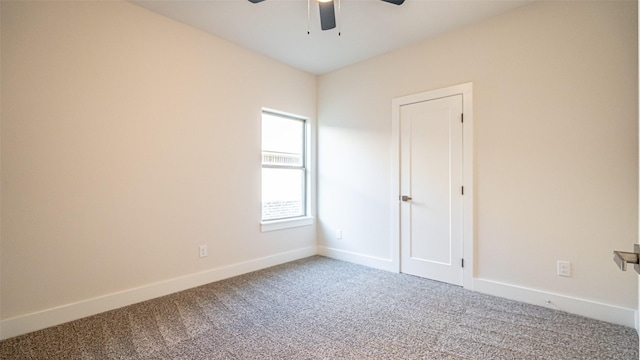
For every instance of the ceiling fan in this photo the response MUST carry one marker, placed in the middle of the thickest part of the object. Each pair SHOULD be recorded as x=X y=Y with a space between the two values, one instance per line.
x=327 y=11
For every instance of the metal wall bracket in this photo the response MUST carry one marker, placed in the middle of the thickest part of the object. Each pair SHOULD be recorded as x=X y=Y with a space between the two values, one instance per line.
x=622 y=258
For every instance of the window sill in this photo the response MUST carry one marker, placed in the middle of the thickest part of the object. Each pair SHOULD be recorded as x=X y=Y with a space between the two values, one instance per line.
x=286 y=223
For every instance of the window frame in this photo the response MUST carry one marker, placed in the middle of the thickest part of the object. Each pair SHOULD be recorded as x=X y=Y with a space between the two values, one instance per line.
x=307 y=218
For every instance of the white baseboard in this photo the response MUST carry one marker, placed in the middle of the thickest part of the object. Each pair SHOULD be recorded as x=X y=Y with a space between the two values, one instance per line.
x=356 y=258
x=587 y=308
x=55 y=316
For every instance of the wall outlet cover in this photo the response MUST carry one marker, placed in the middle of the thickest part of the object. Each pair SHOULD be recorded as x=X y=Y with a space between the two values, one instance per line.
x=203 y=251
x=564 y=268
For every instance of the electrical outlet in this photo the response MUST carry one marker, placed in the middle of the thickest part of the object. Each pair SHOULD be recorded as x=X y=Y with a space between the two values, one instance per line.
x=203 y=251
x=564 y=268
x=339 y=234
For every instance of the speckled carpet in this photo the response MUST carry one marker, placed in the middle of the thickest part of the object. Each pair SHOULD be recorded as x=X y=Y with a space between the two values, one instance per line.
x=319 y=308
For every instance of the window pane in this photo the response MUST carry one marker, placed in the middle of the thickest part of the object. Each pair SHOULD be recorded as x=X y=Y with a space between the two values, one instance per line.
x=282 y=193
x=282 y=141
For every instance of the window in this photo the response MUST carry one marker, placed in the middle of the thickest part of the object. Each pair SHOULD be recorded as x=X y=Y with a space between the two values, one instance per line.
x=284 y=167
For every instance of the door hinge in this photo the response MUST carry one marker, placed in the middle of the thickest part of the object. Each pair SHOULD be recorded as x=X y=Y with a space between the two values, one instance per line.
x=462 y=190
x=462 y=262
x=461 y=118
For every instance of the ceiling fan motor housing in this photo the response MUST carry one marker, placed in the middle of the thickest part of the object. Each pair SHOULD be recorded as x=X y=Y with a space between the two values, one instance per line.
x=328 y=12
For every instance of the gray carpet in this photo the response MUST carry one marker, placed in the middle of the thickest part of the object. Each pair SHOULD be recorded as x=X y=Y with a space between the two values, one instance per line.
x=318 y=308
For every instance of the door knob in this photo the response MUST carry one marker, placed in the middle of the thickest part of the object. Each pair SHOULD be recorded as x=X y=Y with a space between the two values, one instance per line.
x=622 y=258
x=405 y=198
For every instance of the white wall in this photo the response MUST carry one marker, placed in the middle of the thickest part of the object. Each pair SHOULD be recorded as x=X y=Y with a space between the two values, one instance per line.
x=128 y=140
x=555 y=146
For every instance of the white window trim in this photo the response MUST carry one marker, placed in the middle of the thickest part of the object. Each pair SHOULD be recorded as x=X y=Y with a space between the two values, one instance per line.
x=286 y=223
x=309 y=219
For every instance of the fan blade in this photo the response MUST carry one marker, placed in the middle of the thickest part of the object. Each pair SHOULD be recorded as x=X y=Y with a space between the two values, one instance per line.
x=395 y=2
x=257 y=1
x=327 y=15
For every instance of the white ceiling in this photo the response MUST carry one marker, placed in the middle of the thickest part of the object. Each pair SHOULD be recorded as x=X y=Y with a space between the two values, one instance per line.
x=278 y=28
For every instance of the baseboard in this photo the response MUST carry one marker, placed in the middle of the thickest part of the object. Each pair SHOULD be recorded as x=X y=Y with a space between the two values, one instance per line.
x=55 y=316
x=357 y=258
x=587 y=308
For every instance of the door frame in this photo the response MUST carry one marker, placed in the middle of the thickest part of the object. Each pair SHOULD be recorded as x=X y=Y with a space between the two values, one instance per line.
x=467 y=173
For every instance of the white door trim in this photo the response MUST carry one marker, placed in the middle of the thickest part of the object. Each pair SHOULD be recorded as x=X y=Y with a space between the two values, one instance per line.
x=467 y=172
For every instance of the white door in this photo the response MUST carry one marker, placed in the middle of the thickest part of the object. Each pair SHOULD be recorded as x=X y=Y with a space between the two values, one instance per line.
x=431 y=209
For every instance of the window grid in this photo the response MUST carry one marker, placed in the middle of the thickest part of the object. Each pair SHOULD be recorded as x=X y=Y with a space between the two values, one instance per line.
x=284 y=164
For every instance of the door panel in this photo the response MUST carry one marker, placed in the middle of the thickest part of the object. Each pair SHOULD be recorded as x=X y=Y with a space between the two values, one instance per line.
x=431 y=174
